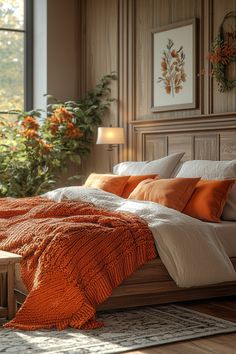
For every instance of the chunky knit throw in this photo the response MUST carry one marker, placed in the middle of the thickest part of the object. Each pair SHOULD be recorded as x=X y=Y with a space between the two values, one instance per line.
x=74 y=255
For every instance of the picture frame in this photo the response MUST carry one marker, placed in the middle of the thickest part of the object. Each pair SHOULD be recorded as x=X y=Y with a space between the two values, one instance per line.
x=174 y=76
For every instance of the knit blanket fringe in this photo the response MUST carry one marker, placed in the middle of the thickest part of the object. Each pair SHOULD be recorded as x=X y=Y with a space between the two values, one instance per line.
x=74 y=255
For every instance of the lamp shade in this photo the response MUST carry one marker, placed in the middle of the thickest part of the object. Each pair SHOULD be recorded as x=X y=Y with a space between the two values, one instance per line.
x=110 y=136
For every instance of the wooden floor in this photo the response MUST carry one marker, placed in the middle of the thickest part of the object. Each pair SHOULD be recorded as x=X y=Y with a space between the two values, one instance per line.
x=220 y=344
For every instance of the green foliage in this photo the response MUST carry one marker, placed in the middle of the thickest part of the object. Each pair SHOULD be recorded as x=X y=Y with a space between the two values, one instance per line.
x=32 y=154
x=223 y=53
x=220 y=56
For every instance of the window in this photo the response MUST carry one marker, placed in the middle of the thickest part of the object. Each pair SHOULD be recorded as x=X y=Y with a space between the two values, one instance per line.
x=15 y=55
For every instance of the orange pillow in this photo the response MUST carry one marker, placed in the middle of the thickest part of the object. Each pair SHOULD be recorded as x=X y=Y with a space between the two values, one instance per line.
x=109 y=183
x=172 y=192
x=132 y=183
x=208 y=199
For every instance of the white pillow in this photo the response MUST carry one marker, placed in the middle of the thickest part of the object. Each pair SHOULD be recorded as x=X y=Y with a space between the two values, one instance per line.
x=214 y=170
x=129 y=168
x=164 y=166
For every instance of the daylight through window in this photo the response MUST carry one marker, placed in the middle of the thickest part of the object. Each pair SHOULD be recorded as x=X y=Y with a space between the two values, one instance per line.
x=13 y=51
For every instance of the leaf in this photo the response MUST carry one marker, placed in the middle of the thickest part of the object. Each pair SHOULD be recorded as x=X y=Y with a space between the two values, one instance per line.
x=75 y=177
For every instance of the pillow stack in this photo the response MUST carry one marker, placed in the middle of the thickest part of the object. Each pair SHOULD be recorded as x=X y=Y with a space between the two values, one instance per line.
x=205 y=190
x=127 y=175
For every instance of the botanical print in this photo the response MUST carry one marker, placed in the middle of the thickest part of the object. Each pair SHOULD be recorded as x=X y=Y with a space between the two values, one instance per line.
x=172 y=69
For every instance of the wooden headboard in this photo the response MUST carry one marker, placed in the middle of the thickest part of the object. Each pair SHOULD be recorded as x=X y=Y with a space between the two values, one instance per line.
x=211 y=137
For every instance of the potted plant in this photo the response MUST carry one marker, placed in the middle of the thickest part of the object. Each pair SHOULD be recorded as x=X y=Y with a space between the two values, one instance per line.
x=35 y=147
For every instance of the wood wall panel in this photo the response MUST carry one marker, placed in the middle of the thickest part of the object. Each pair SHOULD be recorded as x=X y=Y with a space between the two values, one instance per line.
x=206 y=147
x=180 y=143
x=61 y=52
x=144 y=22
x=126 y=68
x=101 y=47
x=155 y=146
x=117 y=36
x=227 y=145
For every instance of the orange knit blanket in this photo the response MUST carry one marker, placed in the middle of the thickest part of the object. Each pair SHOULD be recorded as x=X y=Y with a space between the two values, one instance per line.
x=74 y=255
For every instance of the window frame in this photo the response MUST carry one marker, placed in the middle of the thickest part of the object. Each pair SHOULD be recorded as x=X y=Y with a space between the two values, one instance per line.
x=28 y=54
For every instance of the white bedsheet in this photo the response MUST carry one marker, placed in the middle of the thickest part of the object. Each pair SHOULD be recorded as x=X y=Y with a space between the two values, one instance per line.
x=189 y=248
x=226 y=233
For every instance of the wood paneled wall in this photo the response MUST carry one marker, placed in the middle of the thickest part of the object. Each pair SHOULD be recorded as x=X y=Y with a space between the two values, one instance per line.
x=116 y=35
x=99 y=56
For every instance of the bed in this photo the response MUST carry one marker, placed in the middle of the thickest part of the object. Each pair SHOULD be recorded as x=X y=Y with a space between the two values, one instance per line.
x=213 y=139
x=152 y=284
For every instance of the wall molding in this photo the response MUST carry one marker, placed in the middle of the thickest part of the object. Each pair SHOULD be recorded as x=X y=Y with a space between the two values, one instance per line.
x=207 y=39
x=216 y=117
x=200 y=123
x=126 y=71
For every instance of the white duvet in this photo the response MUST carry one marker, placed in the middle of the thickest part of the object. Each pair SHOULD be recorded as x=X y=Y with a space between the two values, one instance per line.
x=189 y=249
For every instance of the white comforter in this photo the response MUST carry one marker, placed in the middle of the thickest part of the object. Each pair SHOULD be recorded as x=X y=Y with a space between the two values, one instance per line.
x=189 y=249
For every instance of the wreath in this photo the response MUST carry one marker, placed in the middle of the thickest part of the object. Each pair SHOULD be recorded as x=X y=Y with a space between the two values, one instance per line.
x=223 y=52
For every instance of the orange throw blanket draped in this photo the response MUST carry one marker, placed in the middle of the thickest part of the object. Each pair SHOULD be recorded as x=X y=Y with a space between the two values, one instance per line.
x=74 y=255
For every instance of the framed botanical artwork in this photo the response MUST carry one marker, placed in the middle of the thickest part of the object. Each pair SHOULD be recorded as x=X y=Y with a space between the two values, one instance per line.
x=174 y=67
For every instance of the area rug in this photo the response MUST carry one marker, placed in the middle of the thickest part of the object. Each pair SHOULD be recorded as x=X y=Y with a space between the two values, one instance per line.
x=124 y=331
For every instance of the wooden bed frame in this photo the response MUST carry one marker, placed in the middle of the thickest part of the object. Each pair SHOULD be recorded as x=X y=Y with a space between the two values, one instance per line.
x=211 y=137
x=150 y=285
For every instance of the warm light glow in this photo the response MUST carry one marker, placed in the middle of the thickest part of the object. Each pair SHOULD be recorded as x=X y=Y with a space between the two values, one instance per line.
x=110 y=136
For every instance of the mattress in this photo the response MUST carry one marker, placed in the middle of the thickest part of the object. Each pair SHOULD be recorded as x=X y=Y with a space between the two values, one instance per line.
x=226 y=233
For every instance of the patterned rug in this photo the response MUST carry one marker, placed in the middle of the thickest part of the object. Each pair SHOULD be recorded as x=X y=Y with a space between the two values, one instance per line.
x=124 y=331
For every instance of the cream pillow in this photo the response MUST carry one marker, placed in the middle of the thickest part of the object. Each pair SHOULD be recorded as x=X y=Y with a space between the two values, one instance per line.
x=129 y=168
x=163 y=167
x=208 y=169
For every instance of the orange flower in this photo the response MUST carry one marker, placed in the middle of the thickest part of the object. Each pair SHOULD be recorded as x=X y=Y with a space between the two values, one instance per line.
x=47 y=147
x=222 y=54
x=54 y=123
x=54 y=120
x=70 y=125
x=30 y=133
x=62 y=114
x=74 y=133
x=30 y=123
x=53 y=129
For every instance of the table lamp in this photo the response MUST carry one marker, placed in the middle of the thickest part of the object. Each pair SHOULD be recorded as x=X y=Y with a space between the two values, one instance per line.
x=110 y=136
